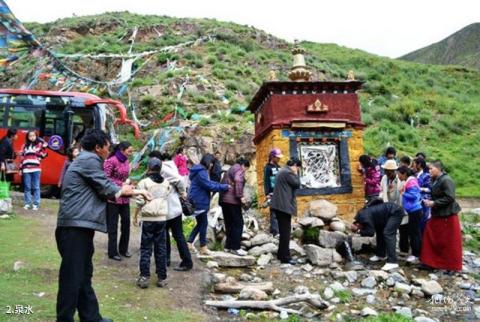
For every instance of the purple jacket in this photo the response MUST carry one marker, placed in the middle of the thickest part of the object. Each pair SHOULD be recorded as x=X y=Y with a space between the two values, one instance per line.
x=118 y=173
x=235 y=178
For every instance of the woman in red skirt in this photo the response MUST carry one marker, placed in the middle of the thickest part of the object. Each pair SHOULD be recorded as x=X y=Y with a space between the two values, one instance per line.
x=442 y=238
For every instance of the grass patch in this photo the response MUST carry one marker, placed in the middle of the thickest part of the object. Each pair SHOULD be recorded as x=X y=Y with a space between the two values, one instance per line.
x=344 y=296
x=469 y=223
x=23 y=239
x=390 y=317
x=310 y=235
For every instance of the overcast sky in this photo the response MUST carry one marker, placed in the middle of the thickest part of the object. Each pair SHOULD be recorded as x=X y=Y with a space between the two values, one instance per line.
x=388 y=28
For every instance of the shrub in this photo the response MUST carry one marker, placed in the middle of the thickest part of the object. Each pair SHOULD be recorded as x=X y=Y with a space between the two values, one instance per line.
x=231 y=85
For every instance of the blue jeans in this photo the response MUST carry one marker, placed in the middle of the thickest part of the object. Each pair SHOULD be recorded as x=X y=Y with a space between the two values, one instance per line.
x=200 y=228
x=31 y=185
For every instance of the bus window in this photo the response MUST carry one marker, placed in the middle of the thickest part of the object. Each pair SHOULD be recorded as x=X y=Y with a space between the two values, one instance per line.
x=54 y=123
x=24 y=117
x=82 y=120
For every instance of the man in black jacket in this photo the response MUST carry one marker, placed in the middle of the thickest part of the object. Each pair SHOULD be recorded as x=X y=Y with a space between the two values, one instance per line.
x=381 y=219
x=284 y=206
x=85 y=190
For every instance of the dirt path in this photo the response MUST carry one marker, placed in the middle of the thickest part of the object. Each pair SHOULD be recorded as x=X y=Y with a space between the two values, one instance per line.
x=186 y=289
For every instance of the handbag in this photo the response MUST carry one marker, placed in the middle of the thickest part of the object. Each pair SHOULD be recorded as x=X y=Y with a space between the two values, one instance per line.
x=4 y=187
x=188 y=208
x=11 y=166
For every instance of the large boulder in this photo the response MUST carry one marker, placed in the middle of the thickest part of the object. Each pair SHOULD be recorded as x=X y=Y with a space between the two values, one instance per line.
x=260 y=239
x=323 y=209
x=338 y=226
x=431 y=288
x=264 y=249
x=306 y=221
x=296 y=249
x=330 y=239
x=229 y=260
x=359 y=242
x=311 y=222
x=264 y=259
x=322 y=256
x=6 y=206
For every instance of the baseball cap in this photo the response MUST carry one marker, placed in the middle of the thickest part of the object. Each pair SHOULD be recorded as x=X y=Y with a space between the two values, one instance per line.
x=276 y=152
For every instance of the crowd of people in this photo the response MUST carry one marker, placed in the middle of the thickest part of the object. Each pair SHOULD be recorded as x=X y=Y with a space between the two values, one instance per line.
x=415 y=199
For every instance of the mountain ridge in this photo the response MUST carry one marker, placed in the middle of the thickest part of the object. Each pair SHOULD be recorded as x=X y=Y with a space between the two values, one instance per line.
x=460 y=48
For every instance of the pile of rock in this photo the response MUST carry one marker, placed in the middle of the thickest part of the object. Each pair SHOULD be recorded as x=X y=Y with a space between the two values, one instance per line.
x=320 y=219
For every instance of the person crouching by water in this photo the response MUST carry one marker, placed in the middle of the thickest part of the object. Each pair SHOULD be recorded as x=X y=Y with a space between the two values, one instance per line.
x=284 y=206
x=154 y=220
x=231 y=202
x=442 y=238
x=199 y=194
x=382 y=219
x=82 y=211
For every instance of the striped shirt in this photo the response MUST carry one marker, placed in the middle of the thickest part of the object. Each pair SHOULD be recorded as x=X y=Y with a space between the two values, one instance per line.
x=32 y=155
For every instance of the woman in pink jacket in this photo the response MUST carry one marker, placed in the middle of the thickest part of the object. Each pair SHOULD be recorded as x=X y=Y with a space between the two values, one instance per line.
x=181 y=161
x=117 y=169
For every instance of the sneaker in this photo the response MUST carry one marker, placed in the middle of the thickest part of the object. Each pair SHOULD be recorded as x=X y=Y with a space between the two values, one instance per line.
x=143 y=282
x=162 y=283
x=204 y=251
x=377 y=259
x=238 y=252
x=35 y=208
x=412 y=259
x=226 y=250
x=389 y=266
x=26 y=207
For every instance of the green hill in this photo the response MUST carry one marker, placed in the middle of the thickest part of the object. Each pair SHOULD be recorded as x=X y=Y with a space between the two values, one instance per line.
x=461 y=48
x=415 y=107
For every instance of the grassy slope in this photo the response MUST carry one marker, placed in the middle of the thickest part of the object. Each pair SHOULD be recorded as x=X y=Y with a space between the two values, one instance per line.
x=415 y=107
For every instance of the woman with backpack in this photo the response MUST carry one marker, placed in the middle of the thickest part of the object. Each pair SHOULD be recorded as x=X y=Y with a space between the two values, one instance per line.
x=231 y=202
x=153 y=215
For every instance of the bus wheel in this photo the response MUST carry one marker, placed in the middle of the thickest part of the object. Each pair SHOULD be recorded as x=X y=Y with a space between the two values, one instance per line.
x=50 y=191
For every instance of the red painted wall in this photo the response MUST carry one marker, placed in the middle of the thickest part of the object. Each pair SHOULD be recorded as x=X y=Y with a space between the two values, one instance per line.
x=280 y=110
